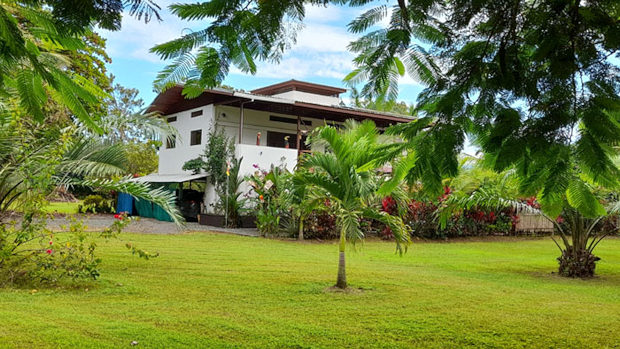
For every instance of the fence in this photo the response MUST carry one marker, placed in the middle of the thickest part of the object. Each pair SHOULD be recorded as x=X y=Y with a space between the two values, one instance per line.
x=533 y=223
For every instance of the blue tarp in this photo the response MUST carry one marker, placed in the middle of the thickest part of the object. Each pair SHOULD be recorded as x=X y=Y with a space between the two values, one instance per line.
x=125 y=203
x=148 y=209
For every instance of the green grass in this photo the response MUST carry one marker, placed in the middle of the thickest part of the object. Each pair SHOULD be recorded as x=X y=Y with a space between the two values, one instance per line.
x=211 y=290
x=62 y=207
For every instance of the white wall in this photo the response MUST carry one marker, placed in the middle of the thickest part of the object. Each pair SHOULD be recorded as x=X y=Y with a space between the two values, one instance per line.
x=264 y=157
x=171 y=160
x=309 y=97
x=254 y=156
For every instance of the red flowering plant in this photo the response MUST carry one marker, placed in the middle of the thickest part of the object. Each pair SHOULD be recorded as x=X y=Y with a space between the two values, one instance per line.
x=423 y=217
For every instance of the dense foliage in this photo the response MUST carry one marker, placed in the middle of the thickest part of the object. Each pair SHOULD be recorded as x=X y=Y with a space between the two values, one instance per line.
x=52 y=91
x=525 y=80
x=96 y=204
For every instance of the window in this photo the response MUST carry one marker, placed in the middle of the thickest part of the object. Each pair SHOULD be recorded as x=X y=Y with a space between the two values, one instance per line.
x=289 y=120
x=196 y=113
x=195 y=137
x=171 y=119
x=171 y=142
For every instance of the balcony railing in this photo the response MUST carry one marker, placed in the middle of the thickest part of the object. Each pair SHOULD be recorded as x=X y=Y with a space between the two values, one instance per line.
x=260 y=157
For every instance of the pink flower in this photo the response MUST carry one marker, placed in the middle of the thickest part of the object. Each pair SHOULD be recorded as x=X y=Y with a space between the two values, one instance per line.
x=255 y=165
x=49 y=251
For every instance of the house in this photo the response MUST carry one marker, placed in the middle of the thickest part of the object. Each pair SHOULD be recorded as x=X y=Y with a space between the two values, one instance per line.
x=268 y=124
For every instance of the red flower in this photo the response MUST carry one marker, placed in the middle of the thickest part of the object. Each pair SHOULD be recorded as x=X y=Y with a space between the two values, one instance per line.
x=492 y=216
x=560 y=220
x=532 y=202
x=118 y=216
x=49 y=251
x=51 y=242
x=389 y=204
x=261 y=197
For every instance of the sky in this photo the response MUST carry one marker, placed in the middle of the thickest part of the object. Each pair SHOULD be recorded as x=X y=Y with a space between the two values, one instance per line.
x=320 y=54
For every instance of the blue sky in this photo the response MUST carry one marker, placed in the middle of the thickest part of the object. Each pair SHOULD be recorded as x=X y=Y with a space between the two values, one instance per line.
x=319 y=56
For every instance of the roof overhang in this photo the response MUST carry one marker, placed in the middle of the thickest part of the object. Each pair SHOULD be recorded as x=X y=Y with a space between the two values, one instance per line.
x=295 y=85
x=168 y=178
x=172 y=101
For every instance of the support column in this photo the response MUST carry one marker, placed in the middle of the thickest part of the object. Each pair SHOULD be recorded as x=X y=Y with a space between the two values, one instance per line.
x=240 y=124
x=298 y=136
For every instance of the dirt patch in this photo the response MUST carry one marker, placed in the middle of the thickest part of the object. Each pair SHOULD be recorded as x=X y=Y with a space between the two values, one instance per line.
x=348 y=290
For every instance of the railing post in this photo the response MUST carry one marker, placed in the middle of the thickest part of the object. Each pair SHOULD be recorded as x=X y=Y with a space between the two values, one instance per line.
x=298 y=136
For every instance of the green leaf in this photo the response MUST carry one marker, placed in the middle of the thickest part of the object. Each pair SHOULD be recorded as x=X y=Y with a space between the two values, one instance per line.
x=581 y=198
x=400 y=66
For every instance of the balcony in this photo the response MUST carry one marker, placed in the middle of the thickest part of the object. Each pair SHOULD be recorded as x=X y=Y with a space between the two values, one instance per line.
x=264 y=158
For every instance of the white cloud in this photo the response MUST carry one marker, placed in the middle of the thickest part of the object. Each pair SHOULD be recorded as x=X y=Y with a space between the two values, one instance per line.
x=323 y=14
x=408 y=80
x=326 y=65
x=136 y=38
x=322 y=38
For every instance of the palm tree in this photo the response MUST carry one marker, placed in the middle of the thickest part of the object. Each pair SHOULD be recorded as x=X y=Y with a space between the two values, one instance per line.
x=579 y=226
x=68 y=159
x=345 y=174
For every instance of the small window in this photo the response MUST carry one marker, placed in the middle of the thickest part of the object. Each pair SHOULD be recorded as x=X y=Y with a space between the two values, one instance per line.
x=171 y=142
x=196 y=113
x=171 y=119
x=195 y=137
x=289 y=120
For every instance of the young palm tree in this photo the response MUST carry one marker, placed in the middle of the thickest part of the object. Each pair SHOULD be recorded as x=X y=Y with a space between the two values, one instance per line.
x=345 y=176
x=579 y=233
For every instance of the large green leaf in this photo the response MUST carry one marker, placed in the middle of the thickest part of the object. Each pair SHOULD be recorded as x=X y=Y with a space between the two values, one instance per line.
x=583 y=200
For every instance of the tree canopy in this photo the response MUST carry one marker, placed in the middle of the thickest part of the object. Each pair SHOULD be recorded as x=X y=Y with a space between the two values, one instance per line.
x=37 y=40
x=533 y=83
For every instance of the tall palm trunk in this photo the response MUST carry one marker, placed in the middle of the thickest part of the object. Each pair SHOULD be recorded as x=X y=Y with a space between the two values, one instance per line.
x=342 y=272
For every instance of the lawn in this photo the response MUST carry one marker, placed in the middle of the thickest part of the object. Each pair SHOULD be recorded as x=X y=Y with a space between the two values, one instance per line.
x=62 y=207
x=212 y=290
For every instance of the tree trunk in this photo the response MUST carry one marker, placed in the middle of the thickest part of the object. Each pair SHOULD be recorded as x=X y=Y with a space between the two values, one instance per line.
x=577 y=263
x=342 y=273
x=300 y=232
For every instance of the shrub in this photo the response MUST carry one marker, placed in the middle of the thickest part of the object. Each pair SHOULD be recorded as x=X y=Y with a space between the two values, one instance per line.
x=422 y=218
x=271 y=199
x=32 y=254
x=321 y=225
x=96 y=204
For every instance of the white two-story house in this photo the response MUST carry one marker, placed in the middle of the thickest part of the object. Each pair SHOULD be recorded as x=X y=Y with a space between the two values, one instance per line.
x=268 y=124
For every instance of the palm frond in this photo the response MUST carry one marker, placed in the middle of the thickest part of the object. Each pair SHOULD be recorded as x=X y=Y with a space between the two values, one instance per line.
x=141 y=191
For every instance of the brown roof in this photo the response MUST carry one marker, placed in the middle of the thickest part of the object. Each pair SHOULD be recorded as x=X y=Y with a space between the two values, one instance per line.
x=295 y=85
x=172 y=101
